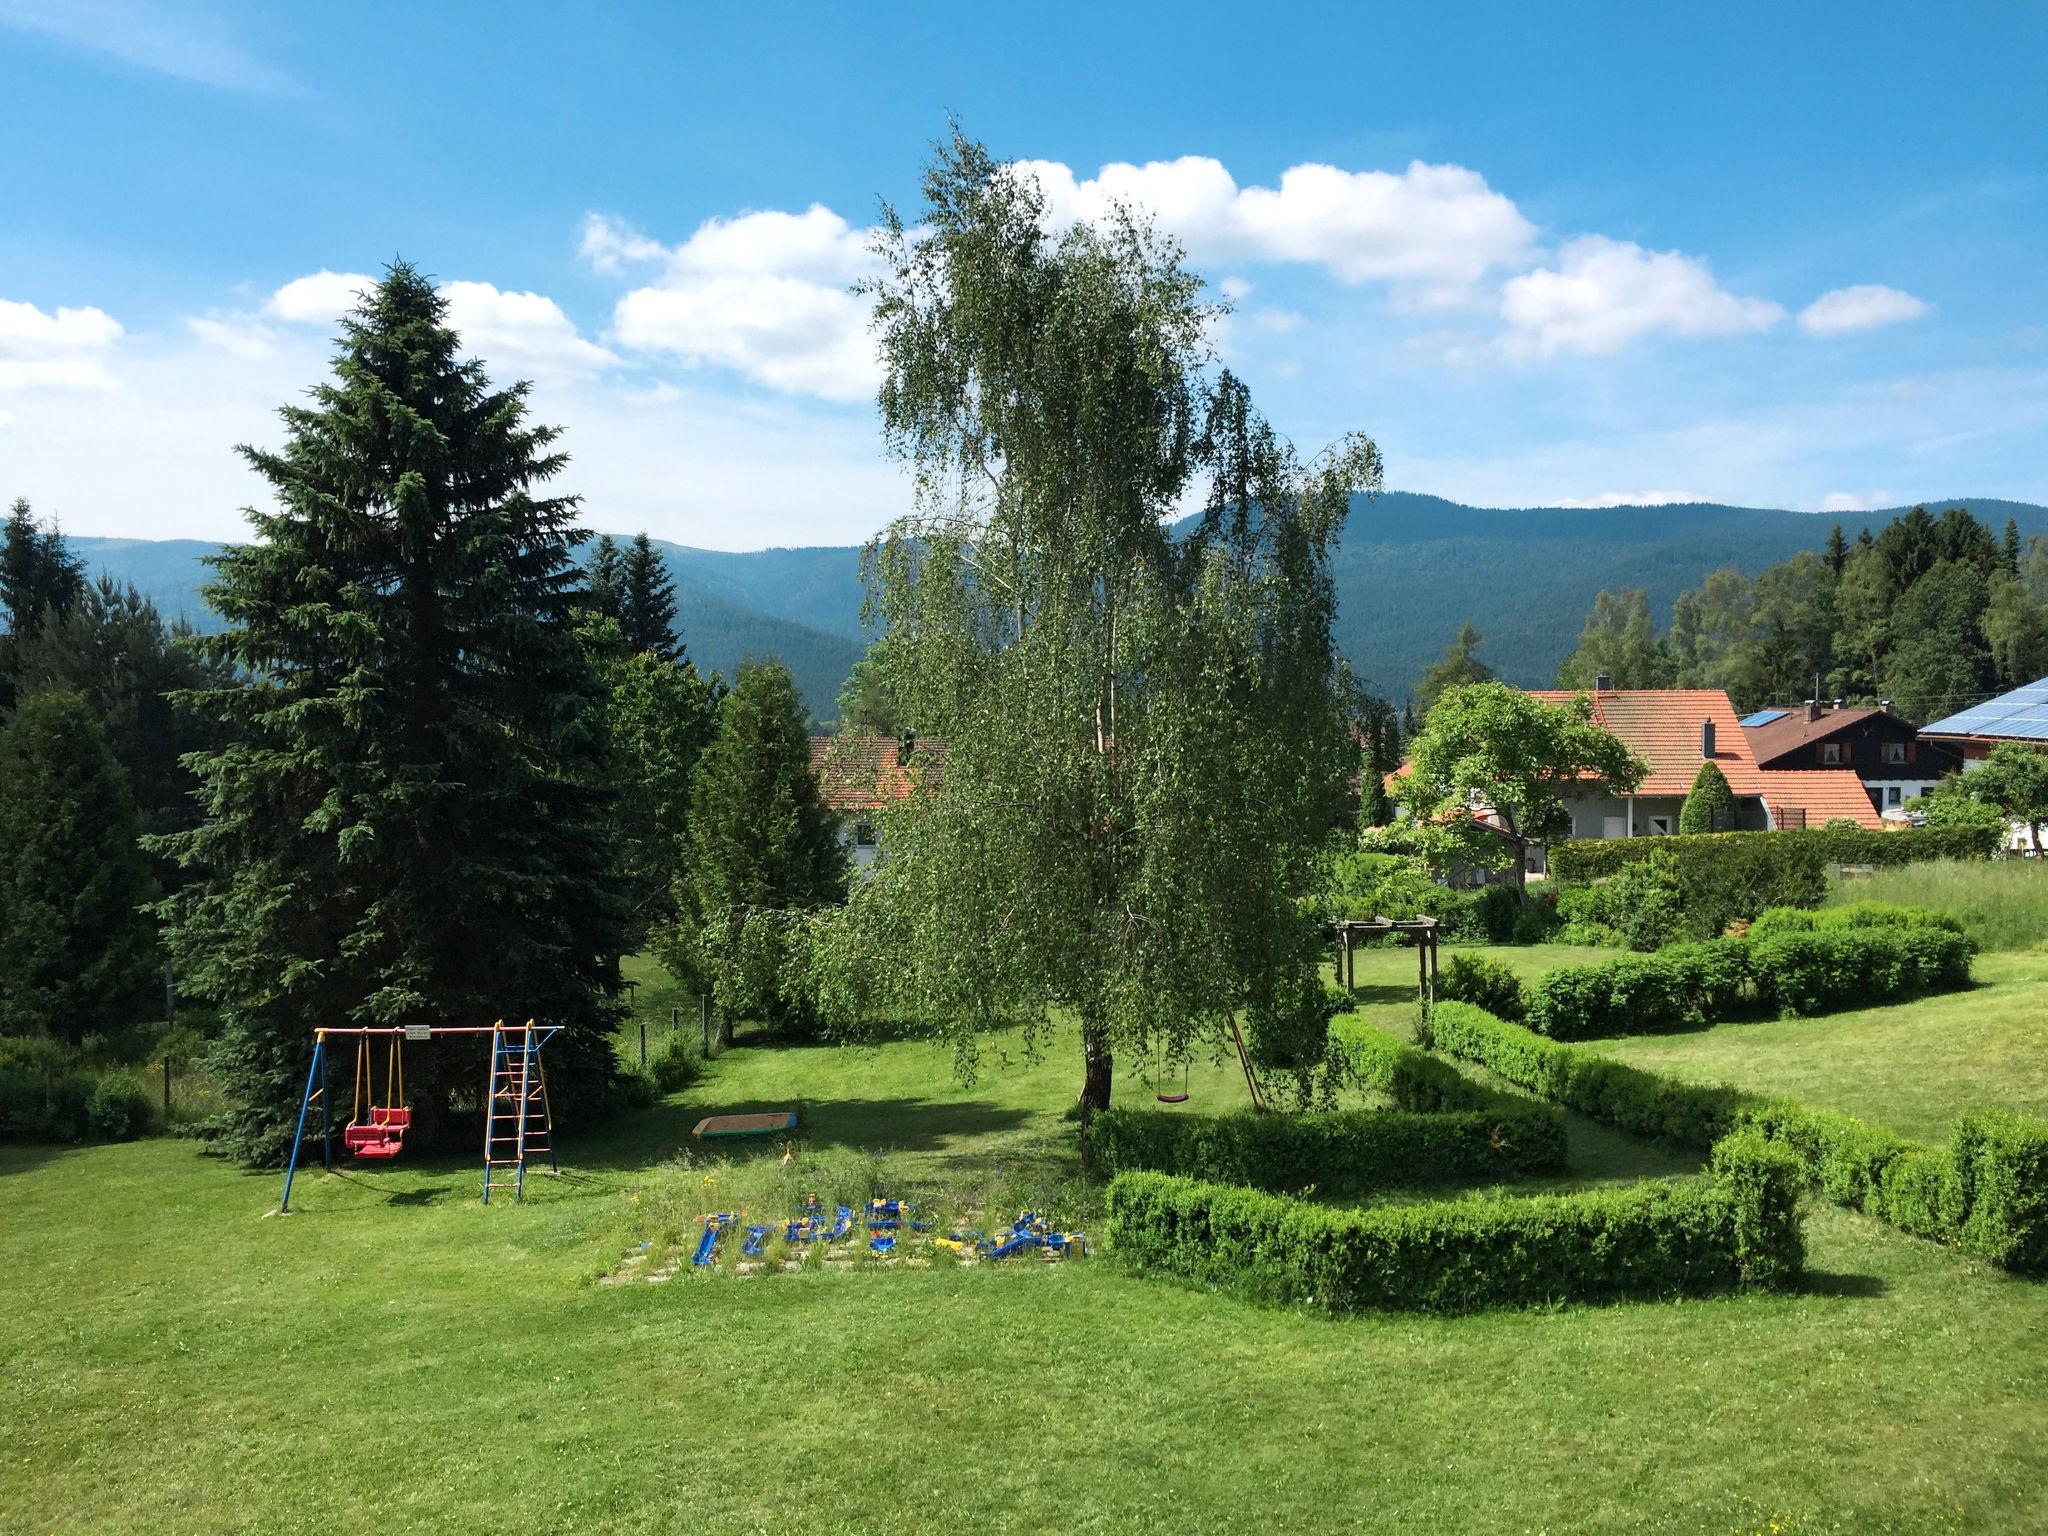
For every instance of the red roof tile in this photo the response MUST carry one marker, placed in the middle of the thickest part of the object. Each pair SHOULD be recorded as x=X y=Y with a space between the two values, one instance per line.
x=1662 y=726
x=1793 y=730
x=1823 y=794
x=861 y=773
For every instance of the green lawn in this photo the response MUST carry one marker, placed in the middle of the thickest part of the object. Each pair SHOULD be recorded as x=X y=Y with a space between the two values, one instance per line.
x=393 y=1357
x=1913 y=1066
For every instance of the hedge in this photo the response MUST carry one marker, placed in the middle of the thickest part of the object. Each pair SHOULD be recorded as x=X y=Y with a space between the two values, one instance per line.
x=1413 y=1079
x=1356 y=1149
x=1812 y=971
x=1737 y=1227
x=1776 y=921
x=1986 y=1191
x=1763 y=859
x=47 y=1094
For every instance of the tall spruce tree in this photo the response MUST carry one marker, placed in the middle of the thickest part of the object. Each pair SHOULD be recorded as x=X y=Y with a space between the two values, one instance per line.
x=406 y=825
x=77 y=946
x=648 y=614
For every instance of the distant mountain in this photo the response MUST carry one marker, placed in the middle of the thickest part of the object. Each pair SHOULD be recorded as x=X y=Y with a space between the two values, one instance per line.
x=1410 y=568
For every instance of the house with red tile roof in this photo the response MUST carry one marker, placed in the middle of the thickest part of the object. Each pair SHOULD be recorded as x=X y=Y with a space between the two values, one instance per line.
x=1675 y=731
x=858 y=775
x=1888 y=756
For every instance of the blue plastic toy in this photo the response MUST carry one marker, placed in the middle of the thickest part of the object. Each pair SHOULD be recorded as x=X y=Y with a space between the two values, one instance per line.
x=713 y=1226
x=756 y=1236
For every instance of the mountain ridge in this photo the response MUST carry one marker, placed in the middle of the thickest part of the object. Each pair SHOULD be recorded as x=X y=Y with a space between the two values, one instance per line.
x=1410 y=567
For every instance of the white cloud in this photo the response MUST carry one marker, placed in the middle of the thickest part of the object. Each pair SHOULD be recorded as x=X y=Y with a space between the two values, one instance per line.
x=1857 y=501
x=319 y=298
x=65 y=348
x=1433 y=229
x=1603 y=294
x=184 y=43
x=527 y=330
x=1630 y=499
x=764 y=294
x=1274 y=322
x=609 y=244
x=243 y=335
x=1234 y=288
x=1863 y=307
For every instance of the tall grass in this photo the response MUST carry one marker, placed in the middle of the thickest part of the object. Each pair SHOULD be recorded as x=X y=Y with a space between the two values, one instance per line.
x=2003 y=903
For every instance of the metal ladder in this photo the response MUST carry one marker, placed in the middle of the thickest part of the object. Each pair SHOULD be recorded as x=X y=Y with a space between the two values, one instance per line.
x=517 y=1124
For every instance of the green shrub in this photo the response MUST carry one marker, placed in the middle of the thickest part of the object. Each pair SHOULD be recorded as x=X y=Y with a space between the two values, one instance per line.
x=1804 y=971
x=1653 y=1239
x=47 y=1094
x=1771 y=869
x=1987 y=1190
x=119 y=1109
x=1483 y=982
x=1642 y=1103
x=1412 y=1079
x=1355 y=1149
x=1766 y=1180
x=2002 y=904
x=1774 y=921
x=2001 y=1163
x=1709 y=799
x=1586 y=914
x=1538 y=921
x=1828 y=969
x=1680 y=986
x=677 y=1064
x=1646 y=905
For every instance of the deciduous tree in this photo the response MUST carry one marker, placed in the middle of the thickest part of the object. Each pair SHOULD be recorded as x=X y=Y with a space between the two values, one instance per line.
x=1144 y=736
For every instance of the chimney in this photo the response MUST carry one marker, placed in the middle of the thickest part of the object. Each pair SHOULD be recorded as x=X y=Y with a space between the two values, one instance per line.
x=1706 y=738
x=1812 y=710
x=1885 y=705
x=1838 y=703
x=1603 y=683
x=905 y=745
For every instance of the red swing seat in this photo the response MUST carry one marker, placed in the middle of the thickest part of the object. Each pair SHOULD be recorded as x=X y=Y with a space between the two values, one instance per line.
x=397 y=1118
x=377 y=1151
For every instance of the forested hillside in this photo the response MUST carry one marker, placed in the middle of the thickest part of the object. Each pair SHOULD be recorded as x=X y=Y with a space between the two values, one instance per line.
x=1410 y=569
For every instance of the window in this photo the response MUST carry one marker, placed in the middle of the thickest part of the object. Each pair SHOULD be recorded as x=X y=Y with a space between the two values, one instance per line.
x=1660 y=826
x=1893 y=794
x=1831 y=752
x=1895 y=751
x=864 y=834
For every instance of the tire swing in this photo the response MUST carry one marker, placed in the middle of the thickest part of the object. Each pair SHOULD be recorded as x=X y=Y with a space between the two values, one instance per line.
x=378 y=1136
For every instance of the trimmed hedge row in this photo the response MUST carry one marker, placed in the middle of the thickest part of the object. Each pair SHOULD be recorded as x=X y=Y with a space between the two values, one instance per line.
x=1684 y=1237
x=1801 y=972
x=1356 y=1149
x=1986 y=1191
x=1413 y=1079
x=1771 y=857
x=1774 y=922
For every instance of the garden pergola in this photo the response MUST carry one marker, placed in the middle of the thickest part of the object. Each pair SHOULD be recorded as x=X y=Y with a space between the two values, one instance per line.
x=1350 y=930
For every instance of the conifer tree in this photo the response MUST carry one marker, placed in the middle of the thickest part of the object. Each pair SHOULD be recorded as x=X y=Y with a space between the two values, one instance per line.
x=648 y=612
x=40 y=580
x=1709 y=798
x=607 y=578
x=1838 y=549
x=2009 y=549
x=406 y=825
x=762 y=841
x=77 y=947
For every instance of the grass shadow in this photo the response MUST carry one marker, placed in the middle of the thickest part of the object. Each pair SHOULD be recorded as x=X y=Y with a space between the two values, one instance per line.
x=1821 y=1282
x=898 y=1124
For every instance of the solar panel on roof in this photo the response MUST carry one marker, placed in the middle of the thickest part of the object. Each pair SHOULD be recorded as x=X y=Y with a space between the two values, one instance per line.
x=2021 y=714
x=1764 y=717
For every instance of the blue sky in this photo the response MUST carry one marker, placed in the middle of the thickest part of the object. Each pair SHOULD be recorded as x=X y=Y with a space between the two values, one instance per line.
x=1615 y=254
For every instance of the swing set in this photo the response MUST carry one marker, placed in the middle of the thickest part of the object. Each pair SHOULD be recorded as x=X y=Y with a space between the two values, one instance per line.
x=518 y=1123
x=1163 y=1063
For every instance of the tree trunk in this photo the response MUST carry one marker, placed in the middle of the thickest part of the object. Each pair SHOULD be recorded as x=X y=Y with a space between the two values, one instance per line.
x=1098 y=1064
